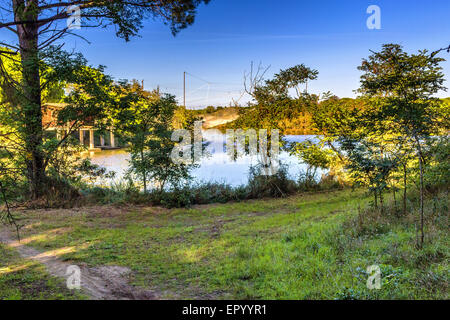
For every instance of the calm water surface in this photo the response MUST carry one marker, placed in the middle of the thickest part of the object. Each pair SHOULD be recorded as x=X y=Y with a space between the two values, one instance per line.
x=217 y=167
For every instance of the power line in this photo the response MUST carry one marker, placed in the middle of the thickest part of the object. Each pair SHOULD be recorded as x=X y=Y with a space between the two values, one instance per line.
x=208 y=83
x=211 y=82
x=194 y=76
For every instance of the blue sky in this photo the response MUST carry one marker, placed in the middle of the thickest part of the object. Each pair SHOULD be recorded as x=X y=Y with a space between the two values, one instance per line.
x=328 y=35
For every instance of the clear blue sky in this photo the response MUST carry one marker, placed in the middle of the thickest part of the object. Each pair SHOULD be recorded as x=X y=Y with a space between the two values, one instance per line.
x=328 y=35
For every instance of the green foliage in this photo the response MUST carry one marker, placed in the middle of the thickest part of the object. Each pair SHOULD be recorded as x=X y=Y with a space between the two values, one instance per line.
x=290 y=78
x=210 y=109
x=438 y=167
x=369 y=164
x=313 y=156
x=403 y=85
x=186 y=195
x=185 y=118
x=146 y=123
x=261 y=185
x=41 y=65
x=272 y=103
x=333 y=117
x=87 y=103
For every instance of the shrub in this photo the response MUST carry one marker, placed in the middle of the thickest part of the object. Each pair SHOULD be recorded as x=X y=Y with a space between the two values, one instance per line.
x=277 y=185
x=176 y=198
x=178 y=195
x=201 y=193
x=211 y=192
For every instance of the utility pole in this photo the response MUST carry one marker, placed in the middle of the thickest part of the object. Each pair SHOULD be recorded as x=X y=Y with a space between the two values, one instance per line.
x=184 y=89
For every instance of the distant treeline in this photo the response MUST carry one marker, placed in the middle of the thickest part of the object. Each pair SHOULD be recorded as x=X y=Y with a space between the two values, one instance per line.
x=300 y=124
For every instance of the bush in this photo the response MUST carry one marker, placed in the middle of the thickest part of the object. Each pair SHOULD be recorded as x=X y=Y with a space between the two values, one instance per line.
x=121 y=192
x=126 y=191
x=277 y=185
x=202 y=193
x=211 y=192
x=61 y=193
x=210 y=109
x=176 y=198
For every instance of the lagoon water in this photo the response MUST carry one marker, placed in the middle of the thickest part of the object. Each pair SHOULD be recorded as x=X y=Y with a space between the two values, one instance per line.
x=216 y=167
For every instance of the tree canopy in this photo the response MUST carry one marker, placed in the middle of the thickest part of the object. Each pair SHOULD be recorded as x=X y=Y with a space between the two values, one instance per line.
x=39 y=27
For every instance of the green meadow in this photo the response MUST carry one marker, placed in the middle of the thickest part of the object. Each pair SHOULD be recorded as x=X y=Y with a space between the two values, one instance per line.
x=307 y=246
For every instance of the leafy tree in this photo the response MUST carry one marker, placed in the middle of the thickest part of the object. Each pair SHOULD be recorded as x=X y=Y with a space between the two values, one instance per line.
x=184 y=118
x=145 y=121
x=272 y=106
x=333 y=118
x=272 y=103
x=86 y=104
x=292 y=78
x=210 y=109
x=313 y=156
x=405 y=85
x=369 y=163
x=37 y=25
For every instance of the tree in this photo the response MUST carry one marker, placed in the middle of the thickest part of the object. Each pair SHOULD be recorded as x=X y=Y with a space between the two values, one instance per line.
x=405 y=85
x=88 y=103
x=314 y=157
x=272 y=106
x=38 y=25
x=145 y=120
x=210 y=109
x=292 y=78
x=369 y=162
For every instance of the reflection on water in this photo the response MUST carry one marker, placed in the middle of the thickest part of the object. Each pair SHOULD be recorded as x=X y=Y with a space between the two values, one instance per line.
x=217 y=167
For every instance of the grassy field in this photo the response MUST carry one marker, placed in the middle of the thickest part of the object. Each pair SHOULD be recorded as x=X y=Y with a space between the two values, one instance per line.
x=302 y=247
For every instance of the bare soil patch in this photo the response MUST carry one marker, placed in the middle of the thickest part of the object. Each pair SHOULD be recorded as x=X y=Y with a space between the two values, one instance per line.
x=99 y=283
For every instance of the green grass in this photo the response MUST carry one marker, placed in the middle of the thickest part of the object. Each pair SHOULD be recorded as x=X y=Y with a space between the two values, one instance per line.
x=301 y=247
x=22 y=279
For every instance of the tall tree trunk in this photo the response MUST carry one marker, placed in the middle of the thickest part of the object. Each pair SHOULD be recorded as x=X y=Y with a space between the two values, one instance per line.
x=375 y=193
x=144 y=171
x=395 y=198
x=31 y=95
x=381 y=201
x=422 y=235
x=404 y=189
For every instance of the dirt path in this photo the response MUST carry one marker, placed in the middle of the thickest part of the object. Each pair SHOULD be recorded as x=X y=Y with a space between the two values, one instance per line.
x=99 y=283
